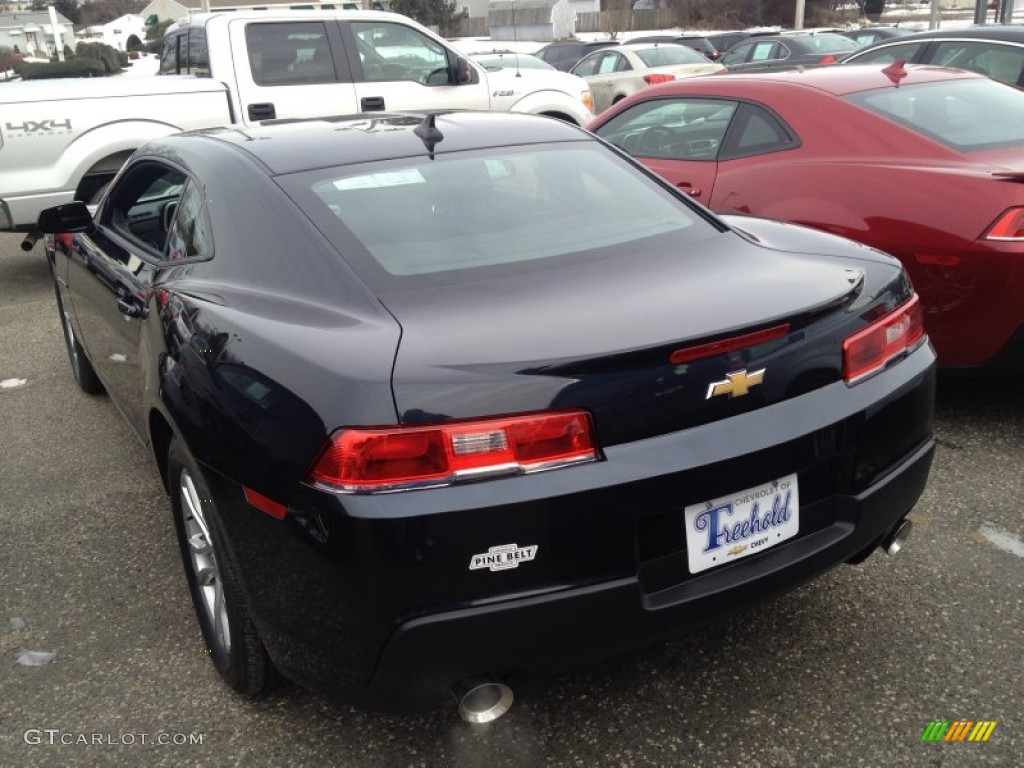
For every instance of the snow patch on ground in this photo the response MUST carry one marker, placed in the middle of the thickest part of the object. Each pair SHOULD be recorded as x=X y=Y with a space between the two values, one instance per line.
x=1005 y=540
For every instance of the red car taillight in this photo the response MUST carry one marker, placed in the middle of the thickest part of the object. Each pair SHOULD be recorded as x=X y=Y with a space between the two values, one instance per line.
x=1009 y=226
x=867 y=351
x=828 y=58
x=400 y=458
x=654 y=79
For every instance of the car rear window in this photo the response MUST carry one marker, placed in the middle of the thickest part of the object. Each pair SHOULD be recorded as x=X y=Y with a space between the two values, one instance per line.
x=461 y=216
x=962 y=114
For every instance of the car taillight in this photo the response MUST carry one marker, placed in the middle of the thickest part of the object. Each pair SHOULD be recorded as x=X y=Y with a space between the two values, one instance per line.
x=402 y=458
x=870 y=349
x=828 y=58
x=654 y=79
x=1009 y=226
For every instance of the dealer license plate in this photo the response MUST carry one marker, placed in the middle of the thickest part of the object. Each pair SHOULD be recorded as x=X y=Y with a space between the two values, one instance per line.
x=744 y=523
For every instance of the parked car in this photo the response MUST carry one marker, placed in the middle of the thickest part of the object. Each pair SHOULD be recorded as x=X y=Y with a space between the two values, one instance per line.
x=925 y=164
x=869 y=35
x=444 y=396
x=613 y=74
x=787 y=51
x=991 y=49
x=564 y=54
x=62 y=140
x=700 y=43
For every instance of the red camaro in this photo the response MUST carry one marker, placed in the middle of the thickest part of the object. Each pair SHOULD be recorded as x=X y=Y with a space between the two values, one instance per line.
x=924 y=163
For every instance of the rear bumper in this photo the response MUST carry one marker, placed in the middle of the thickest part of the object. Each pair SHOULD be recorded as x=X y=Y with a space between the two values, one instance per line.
x=539 y=635
x=370 y=598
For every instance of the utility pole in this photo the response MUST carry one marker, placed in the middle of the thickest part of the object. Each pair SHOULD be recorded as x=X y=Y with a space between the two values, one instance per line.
x=980 y=11
x=936 y=16
x=798 y=22
x=58 y=41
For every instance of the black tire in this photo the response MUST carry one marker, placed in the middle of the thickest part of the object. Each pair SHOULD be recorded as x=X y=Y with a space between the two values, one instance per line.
x=81 y=368
x=213 y=582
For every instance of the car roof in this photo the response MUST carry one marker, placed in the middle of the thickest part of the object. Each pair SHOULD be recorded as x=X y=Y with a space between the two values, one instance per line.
x=578 y=44
x=836 y=80
x=796 y=39
x=1013 y=33
x=289 y=146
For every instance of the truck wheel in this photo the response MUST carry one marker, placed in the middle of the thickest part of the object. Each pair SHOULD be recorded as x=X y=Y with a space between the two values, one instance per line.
x=234 y=644
x=81 y=368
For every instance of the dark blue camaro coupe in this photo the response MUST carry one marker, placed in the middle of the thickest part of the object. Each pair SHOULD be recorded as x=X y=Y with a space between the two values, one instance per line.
x=446 y=402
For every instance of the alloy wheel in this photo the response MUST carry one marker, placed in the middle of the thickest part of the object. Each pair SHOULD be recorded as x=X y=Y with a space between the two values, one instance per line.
x=203 y=561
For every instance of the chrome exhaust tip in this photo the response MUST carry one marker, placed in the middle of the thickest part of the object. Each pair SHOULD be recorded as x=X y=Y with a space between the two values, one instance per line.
x=897 y=537
x=483 y=700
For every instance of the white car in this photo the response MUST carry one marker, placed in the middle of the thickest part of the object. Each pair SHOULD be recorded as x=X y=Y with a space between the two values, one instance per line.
x=615 y=73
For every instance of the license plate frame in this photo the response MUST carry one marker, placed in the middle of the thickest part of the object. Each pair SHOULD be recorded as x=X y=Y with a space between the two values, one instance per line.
x=741 y=524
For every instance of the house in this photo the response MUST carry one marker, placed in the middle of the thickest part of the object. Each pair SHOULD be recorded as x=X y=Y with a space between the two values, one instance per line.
x=122 y=33
x=540 y=20
x=29 y=32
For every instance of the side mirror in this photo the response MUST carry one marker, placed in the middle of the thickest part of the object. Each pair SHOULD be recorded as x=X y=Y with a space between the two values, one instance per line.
x=465 y=74
x=70 y=217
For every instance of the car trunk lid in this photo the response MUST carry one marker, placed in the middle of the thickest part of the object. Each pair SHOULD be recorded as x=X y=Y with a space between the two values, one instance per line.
x=615 y=337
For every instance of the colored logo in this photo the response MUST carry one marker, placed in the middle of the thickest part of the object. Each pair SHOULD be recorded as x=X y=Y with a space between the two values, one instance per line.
x=735 y=384
x=958 y=730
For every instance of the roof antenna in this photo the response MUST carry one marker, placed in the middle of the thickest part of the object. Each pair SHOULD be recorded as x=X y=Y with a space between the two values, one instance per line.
x=515 y=38
x=896 y=71
x=429 y=133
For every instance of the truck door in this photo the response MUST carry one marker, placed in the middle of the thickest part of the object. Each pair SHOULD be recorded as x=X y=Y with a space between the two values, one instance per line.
x=290 y=69
x=398 y=67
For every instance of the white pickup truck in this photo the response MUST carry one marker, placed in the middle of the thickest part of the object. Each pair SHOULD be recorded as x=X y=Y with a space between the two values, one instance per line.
x=63 y=139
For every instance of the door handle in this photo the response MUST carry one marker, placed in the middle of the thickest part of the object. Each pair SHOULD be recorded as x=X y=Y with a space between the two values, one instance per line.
x=130 y=308
x=263 y=111
x=688 y=188
x=372 y=104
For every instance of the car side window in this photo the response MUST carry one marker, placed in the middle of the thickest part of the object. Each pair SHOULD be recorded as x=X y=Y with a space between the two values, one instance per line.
x=1003 y=63
x=189 y=236
x=764 y=51
x=671 y=129
x=888 y=54
x=587 y=66
x=389 y=52
x=738 y=54
x=170 y=58
x=609 y=63
x=293 y=53
x=756 y=131
x=198 y=53
x=141 y=205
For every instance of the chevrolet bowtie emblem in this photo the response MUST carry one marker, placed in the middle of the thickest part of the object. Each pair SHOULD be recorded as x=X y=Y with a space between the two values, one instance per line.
x=735 y=384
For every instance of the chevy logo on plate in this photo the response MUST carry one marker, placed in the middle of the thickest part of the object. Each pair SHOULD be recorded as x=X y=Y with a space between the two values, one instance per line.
x=735 y=384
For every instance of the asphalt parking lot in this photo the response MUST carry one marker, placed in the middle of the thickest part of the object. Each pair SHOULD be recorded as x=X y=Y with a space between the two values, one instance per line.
x=848 y=670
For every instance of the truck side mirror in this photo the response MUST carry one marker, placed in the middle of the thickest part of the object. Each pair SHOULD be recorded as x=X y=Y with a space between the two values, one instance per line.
x=70 y=217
